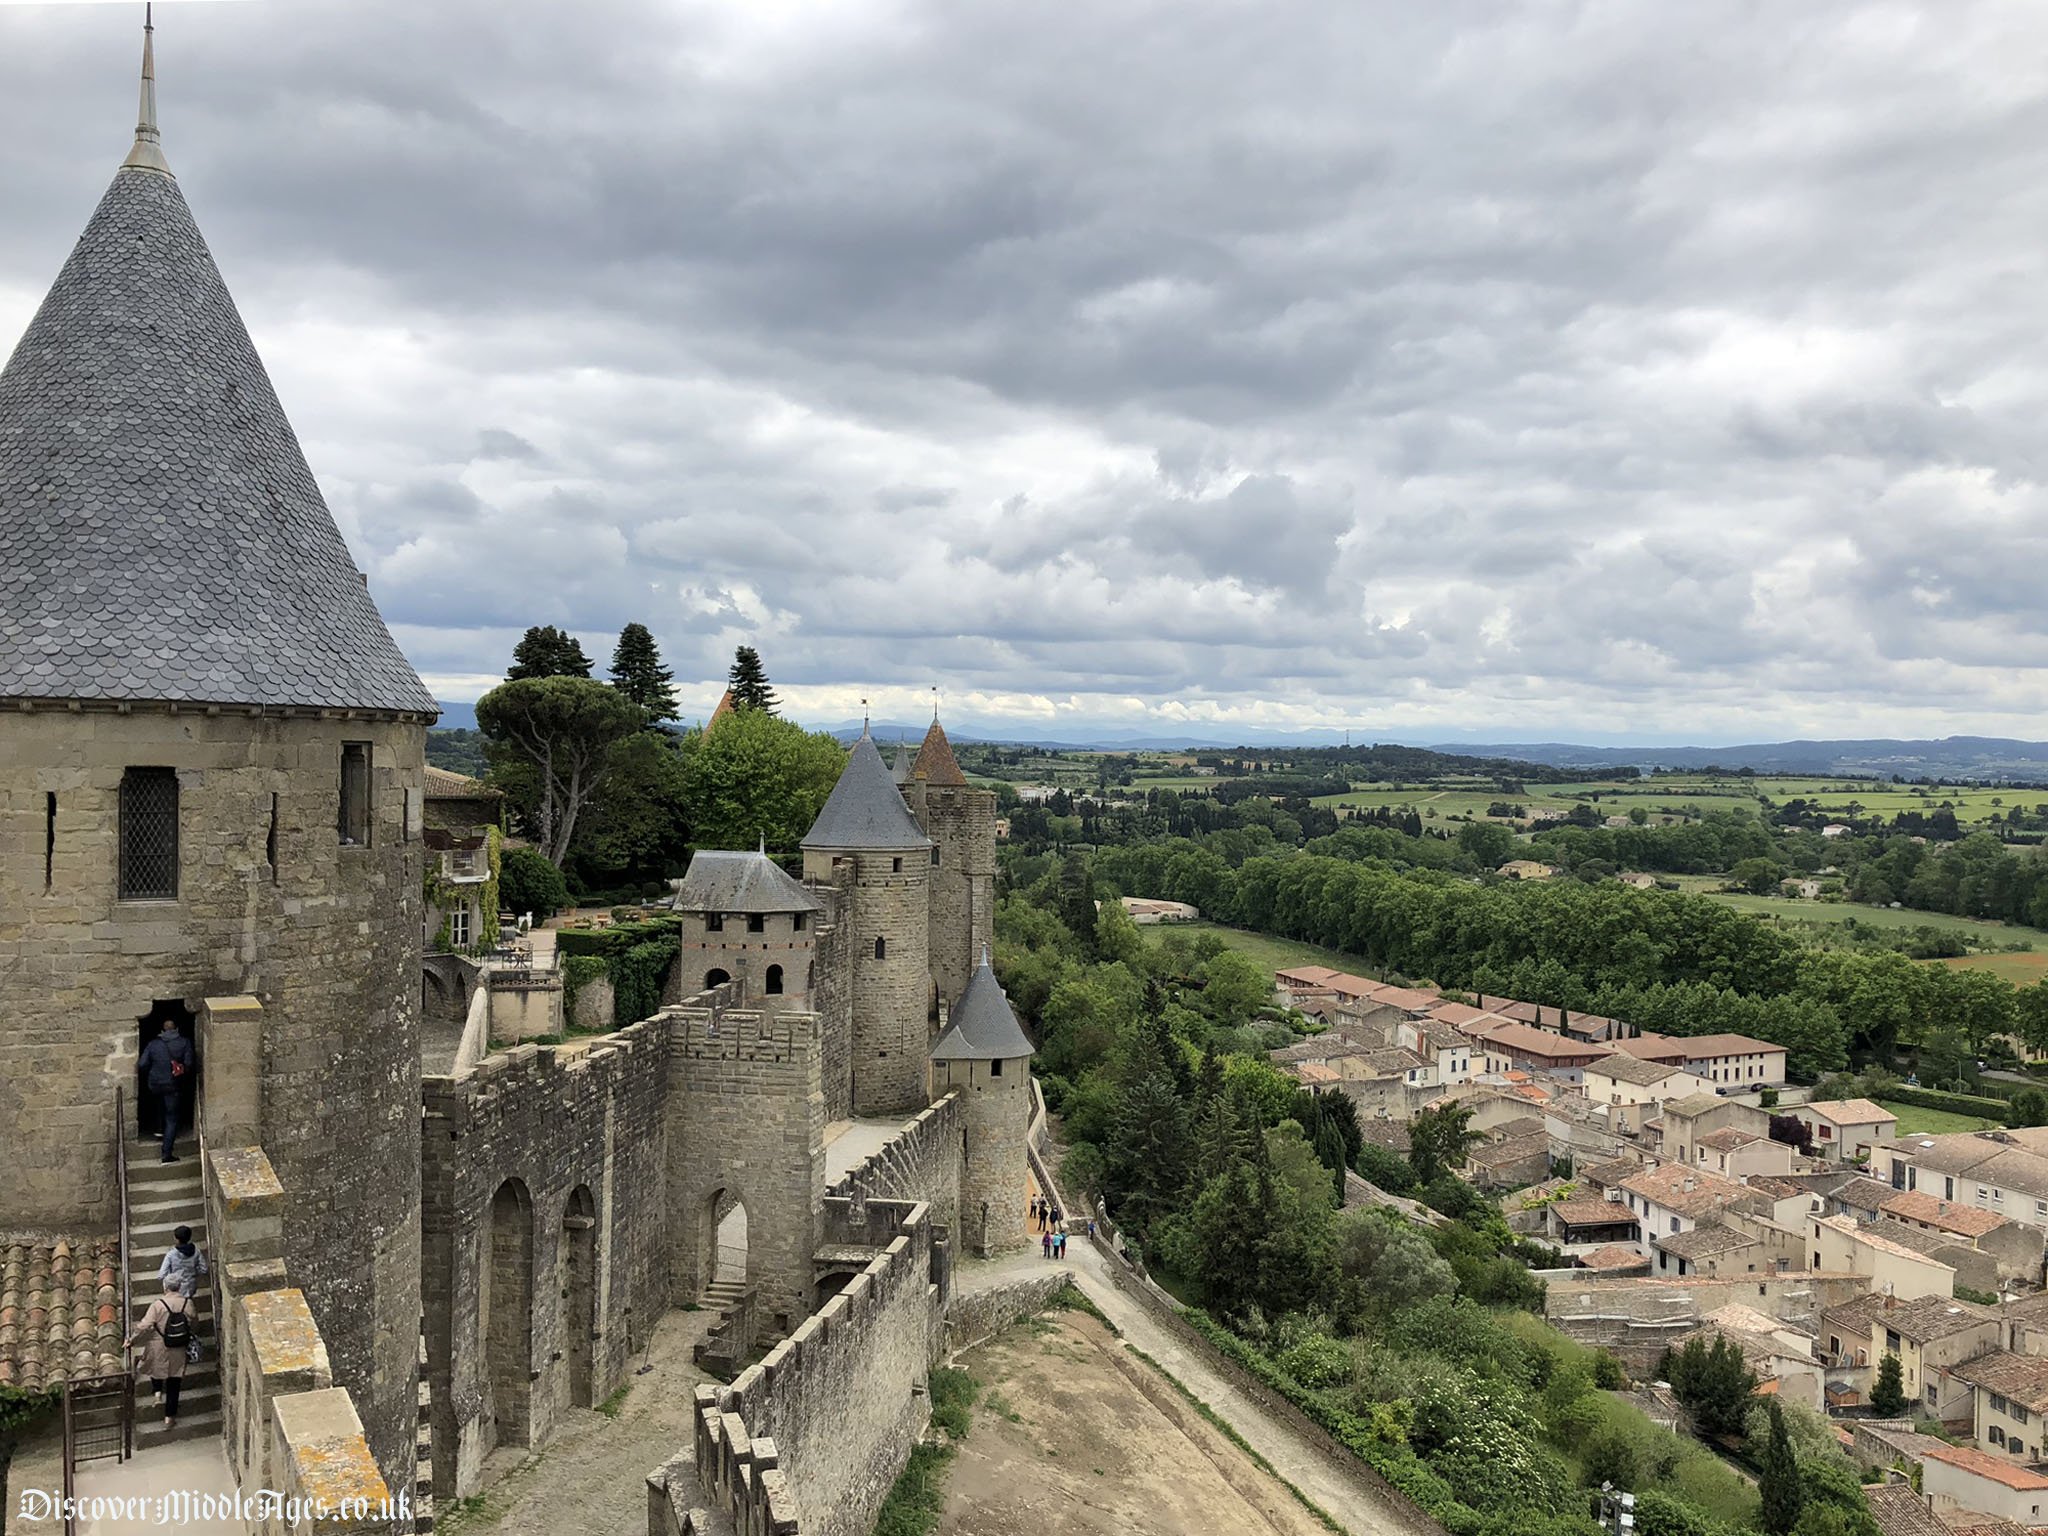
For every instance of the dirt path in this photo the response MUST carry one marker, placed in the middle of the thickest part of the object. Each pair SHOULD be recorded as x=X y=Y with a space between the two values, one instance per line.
x=1302 y=1462
x=1074 y=1435
x=591 y=1480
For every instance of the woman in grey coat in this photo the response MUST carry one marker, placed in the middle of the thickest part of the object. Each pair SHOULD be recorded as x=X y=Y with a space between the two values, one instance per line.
x=163 y=1345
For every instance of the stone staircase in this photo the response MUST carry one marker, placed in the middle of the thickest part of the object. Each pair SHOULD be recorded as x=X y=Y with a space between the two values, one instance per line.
x=423 y=1450
x=161 y=1198
x=730 y=1343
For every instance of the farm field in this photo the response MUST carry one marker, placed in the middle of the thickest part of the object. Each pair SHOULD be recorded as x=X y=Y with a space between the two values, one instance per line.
x=1915 y=1121
x=2021 y=970
x=1877 y=917
x=1269 y=954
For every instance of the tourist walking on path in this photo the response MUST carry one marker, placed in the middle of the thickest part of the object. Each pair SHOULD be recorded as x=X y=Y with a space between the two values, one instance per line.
x=166 y=1062
x=1045 y=1242
x=185 y=1263
x=165 y=1334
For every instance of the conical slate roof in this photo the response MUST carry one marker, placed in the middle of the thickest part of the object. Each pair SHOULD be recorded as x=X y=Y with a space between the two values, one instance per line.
x=865 y=809
x=161 y=537
x=936 y=763
x=900 y=764
x=722 y=881
x=981 y=1026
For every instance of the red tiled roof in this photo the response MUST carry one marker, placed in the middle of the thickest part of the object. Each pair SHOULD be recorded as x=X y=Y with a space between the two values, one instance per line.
x=60 y=1312
x=1917 y=1205
x=1982 y=1463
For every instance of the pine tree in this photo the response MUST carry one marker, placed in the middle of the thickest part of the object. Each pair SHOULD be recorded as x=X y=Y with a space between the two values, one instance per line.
x=637 y=672
x=748 y=682
x=545 y=651
x=1778 y=1483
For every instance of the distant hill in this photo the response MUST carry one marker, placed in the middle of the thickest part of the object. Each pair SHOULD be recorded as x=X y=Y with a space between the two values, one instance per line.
x=1952 y=757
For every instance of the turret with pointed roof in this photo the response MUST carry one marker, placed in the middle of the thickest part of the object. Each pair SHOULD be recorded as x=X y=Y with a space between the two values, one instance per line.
x=961 y=822
x=984 y=1057
x=161 y=537
x=865 y=809
x=936 y=763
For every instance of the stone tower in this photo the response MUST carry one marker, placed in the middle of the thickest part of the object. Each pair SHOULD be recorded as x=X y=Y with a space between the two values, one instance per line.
x=961 y=822
x=752 y=924
x=866 y=824
x=211 y=762
x=985 y=1054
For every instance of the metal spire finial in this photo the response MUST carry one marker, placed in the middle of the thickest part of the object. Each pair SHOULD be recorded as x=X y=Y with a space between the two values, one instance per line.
x=935 y=703
x=864 y=717
x=148 y=153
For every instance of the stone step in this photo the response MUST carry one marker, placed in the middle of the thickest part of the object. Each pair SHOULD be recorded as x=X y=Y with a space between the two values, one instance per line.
x=147 y=1170
x=152 y=1237
x=192 y=1425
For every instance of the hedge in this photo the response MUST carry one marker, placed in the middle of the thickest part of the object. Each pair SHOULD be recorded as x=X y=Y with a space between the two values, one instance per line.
x=578 y=971
x=1954 y=1103
x=613 y=942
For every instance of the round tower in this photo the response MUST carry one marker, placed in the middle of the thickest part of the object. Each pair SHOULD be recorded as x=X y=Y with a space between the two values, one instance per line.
x=750 y=924
x=985 y=1055
x=886 y=928
x=211 y=769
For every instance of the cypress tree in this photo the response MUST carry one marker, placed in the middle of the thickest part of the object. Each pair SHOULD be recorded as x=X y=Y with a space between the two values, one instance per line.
x=1779 y=1481
x=637 y=672
x=748 y=682
x=545 y=651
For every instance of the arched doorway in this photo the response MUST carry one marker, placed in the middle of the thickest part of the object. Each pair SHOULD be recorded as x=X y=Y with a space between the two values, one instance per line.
x=773 y=985
x=507 y=1323
x=723 y=1232
x=715 y=978
x=579 y=1296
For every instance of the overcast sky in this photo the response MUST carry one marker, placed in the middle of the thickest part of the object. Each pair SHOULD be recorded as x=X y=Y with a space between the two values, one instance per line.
x=1581 y=371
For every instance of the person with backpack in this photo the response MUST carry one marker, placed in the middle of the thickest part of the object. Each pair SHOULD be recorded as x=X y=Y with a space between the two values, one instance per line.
x=167 y=1062
x=166 y=1337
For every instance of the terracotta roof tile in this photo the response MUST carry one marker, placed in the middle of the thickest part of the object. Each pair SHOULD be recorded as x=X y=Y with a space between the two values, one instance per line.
x=59 y=1312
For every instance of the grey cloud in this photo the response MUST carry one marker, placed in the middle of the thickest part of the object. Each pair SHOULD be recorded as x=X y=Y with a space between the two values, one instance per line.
x=1640 y=367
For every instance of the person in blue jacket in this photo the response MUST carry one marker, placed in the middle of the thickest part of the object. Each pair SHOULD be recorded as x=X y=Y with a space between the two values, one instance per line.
x=167 y=1061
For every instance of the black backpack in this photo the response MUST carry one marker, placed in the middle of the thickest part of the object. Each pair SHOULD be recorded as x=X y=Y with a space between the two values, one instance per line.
x=176 y=1331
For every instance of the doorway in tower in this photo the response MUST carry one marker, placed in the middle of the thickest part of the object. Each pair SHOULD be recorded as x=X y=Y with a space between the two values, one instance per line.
x=149 y=1109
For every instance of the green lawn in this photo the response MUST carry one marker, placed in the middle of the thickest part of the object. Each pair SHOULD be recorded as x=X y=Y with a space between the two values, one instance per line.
x=1269 y=954
x=1877 y=917
x=2021 y=970
x=1915 y=1121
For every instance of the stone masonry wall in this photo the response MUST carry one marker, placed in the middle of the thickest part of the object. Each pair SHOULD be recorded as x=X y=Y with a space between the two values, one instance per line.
x=891 y=995
x=962 y=823
x=745 y=957
x=921 y=1162
x=996 y=1129
x=746 y=1117
x=836 y=1407
x=580 y=1129
x=832 y=992
x=328 y=939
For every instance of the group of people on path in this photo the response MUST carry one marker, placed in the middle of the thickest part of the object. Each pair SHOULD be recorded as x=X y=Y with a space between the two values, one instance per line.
x=1045 y=1216
x=1055 y=1244
x=168 y=1333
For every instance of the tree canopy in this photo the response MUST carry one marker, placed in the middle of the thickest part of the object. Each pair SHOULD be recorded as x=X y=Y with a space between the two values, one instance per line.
x=757 y=778
x=748 y=682
x=545 y=651
x=638 y=674
x=564 y=730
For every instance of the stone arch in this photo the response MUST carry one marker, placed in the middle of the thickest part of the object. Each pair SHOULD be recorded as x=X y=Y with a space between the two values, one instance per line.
x=579 y=1296
x=723 y=1251
x=507 y=1314
x=717 y=976
x=773 y=984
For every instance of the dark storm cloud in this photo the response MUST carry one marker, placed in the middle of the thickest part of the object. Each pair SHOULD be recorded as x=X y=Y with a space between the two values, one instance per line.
x=1574 y=366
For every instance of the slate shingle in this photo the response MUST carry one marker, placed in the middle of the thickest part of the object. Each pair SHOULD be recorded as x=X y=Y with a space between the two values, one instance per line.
x=161 y=536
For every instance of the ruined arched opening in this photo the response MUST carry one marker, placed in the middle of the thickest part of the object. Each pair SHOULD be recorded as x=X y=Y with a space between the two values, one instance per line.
x=507 y=1314
x=579 y=1296
x=715 y=977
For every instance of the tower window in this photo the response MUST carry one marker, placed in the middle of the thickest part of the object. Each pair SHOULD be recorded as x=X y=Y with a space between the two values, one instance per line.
x=774 y=986
x=995 y=1068
x=756 y=923
x=49 y=839
x=881 y=949
x=149 y=834
x=896 y=866
x=935 y=855
x=355 y=794
x=798 y=923
x=270 y=841
x=714 y=922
